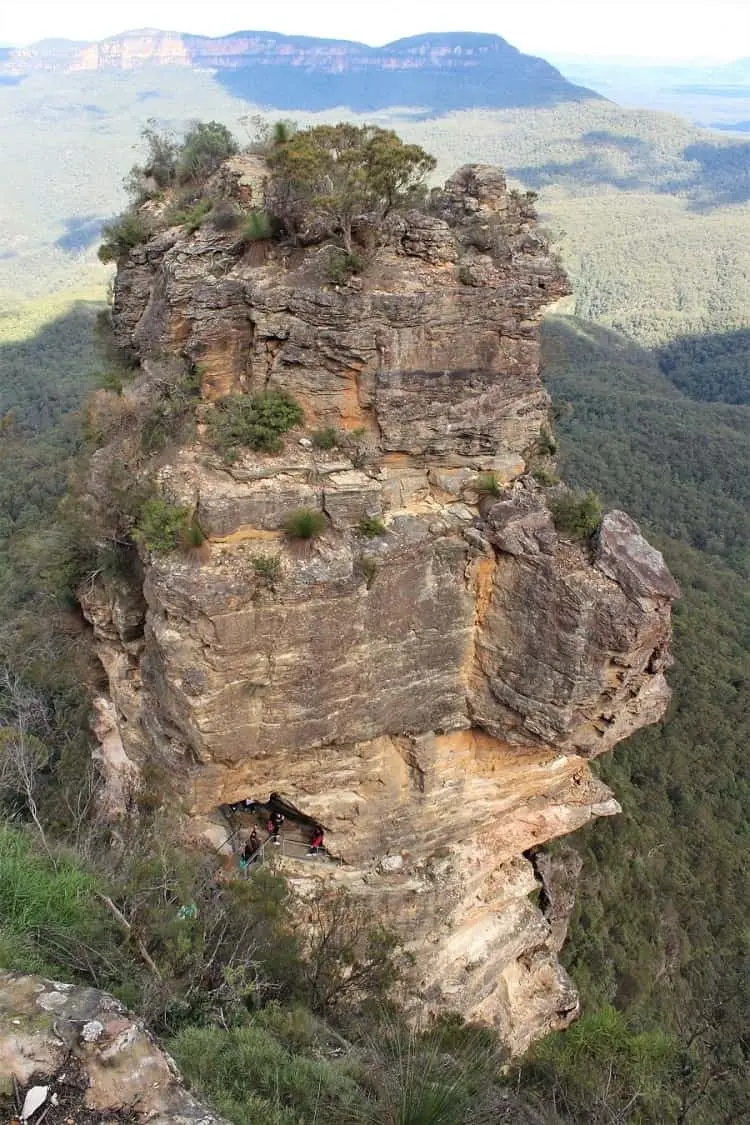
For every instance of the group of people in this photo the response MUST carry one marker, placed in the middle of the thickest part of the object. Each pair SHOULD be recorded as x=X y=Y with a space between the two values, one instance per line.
x=275 y=821
x=273 y=826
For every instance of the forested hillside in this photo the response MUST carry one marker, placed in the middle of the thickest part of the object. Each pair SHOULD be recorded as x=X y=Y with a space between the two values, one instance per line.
x=674 y=461
x=661 y=923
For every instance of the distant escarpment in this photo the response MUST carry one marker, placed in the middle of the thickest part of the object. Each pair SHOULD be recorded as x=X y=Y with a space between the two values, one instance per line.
x=438 y=72
x=375 y=615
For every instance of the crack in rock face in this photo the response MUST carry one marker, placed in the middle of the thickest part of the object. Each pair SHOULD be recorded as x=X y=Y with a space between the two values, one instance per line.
x=432 y=687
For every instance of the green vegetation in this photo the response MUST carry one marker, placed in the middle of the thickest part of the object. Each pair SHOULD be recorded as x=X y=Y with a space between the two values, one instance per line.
x=193 y=218
x=48 y=364
x=342 y=172
x=576 y=513
x=205 y=147
x=604 y=1070
x=248 y=1074
x=355 y=443
x=371 y=527
x=546 y=445
x=545 y=477
x=190 y=163
x=50 y=920
x=677 y=464
x=282 y=1068
x=660 y=924
x=256 y=227
x=169 y=420
x=304 y=523
x=163 y=527
x=367 y=567
x=709 y=369
x=122 y=235
x=253 y=422
x=267 y=568
x=325 y=438
x=464 y=274
x=340 y=266
x=487 y=484
x=194 y=536
x=159 y=169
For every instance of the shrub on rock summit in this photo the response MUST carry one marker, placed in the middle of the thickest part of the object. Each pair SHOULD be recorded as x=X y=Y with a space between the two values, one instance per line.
x=341 y=172
x=205 y=147
x=122 y=234
x=577 y=514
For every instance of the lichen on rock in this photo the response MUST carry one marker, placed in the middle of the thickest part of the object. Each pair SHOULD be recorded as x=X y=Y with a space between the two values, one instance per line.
x=432 y=692
x=97 y=1059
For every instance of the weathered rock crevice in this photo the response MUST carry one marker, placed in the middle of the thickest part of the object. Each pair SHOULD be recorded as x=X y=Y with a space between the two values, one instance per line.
x=431 y=693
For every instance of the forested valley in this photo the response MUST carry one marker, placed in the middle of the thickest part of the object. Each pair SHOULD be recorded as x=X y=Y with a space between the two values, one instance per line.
x=660 y=930
x=659 y=943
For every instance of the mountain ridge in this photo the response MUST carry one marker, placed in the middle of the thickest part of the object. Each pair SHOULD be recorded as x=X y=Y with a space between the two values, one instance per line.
x=303 y=72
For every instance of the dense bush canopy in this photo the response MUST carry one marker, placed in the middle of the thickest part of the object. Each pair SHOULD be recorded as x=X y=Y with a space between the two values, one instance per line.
x=345 y=171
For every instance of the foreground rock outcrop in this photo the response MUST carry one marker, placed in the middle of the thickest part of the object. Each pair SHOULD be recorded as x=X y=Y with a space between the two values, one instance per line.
x=432 y=694
x=96 y=1060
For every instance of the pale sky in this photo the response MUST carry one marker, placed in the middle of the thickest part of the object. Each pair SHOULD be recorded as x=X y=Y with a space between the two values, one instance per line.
x=663 y=29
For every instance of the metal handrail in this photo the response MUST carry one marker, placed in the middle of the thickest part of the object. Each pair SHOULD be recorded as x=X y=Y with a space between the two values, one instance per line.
x=258 y=857
x=292 y=849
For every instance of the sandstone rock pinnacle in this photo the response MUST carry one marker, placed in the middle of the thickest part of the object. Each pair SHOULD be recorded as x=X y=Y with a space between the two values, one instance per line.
x=433 y=693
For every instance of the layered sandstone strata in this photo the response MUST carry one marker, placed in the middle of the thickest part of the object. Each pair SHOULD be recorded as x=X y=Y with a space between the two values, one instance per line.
x=432 y=694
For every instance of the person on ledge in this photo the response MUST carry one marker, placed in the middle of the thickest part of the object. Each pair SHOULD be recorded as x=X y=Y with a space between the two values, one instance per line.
x=316 y=843
x=275 y=821
x=249 y=850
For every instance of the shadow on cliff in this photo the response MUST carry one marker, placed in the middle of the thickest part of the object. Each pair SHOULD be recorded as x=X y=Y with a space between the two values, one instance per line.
x=623 y=161
x=710 y=368
x=724 y=173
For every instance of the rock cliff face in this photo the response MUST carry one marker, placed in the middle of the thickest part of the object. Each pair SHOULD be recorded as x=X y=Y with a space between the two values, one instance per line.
x=431 y=694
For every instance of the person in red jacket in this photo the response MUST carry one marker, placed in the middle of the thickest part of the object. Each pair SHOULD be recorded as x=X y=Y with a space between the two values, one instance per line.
x=316 y=843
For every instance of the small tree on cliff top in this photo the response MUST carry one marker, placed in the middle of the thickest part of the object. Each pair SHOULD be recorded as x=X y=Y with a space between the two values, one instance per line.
x=344 y=171
x=205 y=147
